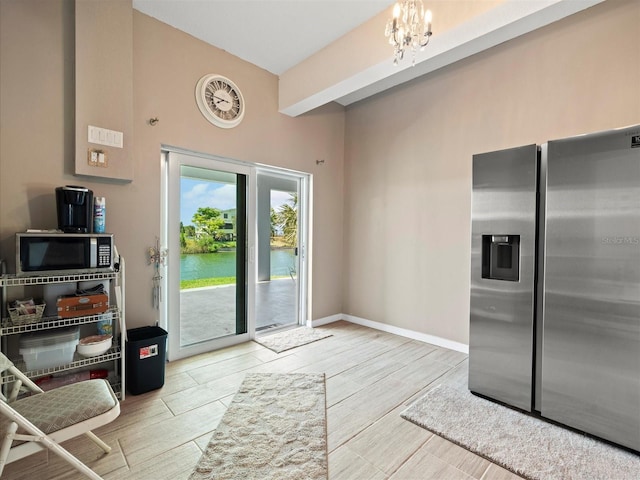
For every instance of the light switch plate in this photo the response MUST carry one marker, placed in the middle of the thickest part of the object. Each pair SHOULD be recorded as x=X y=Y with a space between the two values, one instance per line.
x=104 y=136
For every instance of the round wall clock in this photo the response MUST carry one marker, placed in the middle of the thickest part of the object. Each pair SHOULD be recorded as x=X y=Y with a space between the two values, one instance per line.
x=220 y=101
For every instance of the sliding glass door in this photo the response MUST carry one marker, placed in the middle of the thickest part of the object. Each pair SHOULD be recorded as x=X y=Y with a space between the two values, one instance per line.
x=207 y=235
x=236 y=238
x=280 y=247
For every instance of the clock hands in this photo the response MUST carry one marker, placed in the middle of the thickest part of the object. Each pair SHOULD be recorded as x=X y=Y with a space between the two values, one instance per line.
x=220 y=100
x=227 y=111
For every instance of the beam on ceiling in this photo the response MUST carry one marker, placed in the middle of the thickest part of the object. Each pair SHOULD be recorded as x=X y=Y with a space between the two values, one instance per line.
x=320 y=80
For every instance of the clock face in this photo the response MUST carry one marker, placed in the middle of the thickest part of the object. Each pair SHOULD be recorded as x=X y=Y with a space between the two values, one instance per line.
x=220 y=101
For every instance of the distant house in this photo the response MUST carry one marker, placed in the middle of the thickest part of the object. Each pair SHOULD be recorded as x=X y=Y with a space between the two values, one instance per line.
x=228 y=230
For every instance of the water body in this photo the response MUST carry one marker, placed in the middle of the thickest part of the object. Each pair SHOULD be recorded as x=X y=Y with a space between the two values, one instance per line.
x=223 y=264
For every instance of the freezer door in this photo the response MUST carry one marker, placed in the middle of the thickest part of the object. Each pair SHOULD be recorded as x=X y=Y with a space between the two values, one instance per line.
x=502 y=275
x=591 y=340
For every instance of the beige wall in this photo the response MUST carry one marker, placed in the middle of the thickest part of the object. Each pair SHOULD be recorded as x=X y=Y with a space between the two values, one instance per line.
x=103 y=71
x=37 y=139
x=408 y=157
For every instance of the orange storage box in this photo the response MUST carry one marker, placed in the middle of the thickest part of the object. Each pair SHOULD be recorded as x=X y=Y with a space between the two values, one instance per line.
x=80 y=305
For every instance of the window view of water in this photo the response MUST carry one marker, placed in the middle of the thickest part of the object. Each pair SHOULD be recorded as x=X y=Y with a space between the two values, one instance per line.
x=223 y=264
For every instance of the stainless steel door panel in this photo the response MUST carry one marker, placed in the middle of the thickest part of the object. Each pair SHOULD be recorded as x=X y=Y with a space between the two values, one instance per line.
x=501 y=312
x=591 y=344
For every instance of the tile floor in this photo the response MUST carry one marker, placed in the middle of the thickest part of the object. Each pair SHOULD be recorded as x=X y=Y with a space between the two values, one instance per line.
x=371 y=377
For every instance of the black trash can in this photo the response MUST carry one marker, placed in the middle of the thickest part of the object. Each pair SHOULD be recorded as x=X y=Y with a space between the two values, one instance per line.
x=146 y=356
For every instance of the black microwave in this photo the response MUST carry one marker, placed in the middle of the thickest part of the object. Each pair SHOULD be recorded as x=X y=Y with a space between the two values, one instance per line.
x=59 y=253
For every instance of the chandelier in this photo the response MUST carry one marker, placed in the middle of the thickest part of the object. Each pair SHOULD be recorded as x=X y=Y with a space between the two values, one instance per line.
x=410 y=27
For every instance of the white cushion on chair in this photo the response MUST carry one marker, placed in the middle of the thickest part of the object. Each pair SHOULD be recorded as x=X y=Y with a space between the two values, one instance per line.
x=64 y=406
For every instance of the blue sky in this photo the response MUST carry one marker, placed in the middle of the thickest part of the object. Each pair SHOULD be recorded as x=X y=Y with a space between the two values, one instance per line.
x=201 y=193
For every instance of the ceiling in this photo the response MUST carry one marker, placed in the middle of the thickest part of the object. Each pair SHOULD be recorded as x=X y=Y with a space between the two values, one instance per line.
x=322 y=52
x=273 y=34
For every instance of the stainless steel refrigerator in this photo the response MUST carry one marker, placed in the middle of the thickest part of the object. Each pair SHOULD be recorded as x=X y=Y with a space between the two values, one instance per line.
x=555 y=281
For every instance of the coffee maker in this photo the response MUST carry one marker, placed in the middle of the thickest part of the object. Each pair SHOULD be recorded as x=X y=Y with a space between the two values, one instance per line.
x=75 y=209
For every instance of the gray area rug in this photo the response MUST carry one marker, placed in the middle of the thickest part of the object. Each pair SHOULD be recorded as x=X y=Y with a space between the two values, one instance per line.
x=275 y=428
x=282 y=341
x=526 y=445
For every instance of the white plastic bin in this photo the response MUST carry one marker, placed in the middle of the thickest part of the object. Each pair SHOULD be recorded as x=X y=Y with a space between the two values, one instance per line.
x=49 y=348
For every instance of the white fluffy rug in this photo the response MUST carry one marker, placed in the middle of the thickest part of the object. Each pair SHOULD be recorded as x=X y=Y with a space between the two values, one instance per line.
x=275 y=428
x=526 y=445
x=282 y=341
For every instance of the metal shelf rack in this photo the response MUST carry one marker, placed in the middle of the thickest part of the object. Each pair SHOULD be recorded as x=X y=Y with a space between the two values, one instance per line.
x=115 y=354
x=12 y=280
x=7 y=328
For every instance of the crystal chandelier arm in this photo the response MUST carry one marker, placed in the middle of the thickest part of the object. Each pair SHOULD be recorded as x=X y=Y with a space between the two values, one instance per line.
x=394 y=27
x=427 y=34
x=425 y=39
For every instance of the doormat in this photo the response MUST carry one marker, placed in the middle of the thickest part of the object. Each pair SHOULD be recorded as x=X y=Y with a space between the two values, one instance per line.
x=525 y=445
x=275 y=428
x=282 y=341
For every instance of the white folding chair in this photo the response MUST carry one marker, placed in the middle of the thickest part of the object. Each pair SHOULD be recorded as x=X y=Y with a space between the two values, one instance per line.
x=45 y=419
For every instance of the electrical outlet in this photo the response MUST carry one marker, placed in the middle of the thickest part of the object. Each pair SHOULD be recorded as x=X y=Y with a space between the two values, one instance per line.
x=97 y=158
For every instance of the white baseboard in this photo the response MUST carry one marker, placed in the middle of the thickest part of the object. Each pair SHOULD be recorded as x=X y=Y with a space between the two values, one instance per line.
x=324 y=321
x=403 y=332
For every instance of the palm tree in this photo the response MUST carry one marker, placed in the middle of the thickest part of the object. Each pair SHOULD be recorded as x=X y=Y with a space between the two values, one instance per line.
x=274 y=222
x=288 y=221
